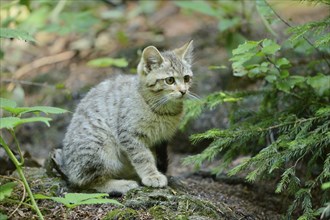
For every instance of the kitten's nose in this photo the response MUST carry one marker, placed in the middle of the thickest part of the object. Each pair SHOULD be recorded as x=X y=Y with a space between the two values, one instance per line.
x=183 y=92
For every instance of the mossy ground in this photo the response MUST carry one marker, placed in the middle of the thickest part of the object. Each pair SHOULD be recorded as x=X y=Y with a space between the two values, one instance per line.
x=201 y=199
x=122 y=214
x=167 y=203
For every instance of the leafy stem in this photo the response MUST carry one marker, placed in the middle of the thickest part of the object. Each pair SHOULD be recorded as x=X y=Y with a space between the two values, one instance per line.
x=19 y=165
x=21 y=162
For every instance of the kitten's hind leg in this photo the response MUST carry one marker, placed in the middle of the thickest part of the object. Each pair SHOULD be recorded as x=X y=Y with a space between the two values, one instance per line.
x=162 y=156
x=116 y=186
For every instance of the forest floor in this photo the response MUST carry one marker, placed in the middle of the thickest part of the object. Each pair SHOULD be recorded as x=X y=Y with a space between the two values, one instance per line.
x=232 y=198
x=55 y=73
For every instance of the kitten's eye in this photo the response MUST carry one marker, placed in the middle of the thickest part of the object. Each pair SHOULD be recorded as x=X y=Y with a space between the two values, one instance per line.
x=186 y=78
x=170 y=80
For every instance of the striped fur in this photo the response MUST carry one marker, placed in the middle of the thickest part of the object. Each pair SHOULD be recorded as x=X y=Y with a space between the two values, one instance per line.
x=109 y=142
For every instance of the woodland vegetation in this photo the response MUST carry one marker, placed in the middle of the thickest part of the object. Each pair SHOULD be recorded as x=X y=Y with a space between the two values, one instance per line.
x=263 y=116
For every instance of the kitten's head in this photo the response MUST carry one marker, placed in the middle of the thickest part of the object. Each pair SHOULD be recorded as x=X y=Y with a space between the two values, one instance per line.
x=167 y=74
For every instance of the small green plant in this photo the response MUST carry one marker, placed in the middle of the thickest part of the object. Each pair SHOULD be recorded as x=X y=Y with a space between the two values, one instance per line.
x=8 y=33
x=16 y=117
x=6 y=190
x=283 y=125
x=15 y=34
x=72 y=200
x=289 y=131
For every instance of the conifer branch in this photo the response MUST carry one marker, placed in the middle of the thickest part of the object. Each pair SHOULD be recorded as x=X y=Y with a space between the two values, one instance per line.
x=305 y=38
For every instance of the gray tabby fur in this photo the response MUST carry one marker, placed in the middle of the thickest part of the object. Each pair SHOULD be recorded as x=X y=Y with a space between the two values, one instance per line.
x=108 y=144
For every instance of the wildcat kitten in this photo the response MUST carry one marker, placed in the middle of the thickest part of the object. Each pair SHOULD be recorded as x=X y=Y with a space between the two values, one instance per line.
x=109 y=144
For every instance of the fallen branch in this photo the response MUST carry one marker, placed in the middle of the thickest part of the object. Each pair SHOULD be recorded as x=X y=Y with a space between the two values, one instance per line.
x=23 y=82
x=21 y=72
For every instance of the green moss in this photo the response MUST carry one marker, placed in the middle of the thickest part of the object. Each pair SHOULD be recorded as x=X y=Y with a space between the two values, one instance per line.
x=161 y=212
x=122 y=214
x=165 y=213
x=193 y=206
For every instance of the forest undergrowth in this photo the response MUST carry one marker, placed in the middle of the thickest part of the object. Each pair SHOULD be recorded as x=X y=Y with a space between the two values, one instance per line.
x=283 y=125
x=280 y=124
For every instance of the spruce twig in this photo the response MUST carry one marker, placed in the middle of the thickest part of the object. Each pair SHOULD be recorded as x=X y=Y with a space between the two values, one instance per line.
x=305 y=38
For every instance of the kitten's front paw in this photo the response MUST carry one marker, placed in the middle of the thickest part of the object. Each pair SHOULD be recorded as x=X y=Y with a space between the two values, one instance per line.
x=116 y=187
x=157 y=180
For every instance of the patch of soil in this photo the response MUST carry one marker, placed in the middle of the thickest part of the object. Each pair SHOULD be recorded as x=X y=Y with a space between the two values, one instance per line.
x=249 y=201
x=242 y=200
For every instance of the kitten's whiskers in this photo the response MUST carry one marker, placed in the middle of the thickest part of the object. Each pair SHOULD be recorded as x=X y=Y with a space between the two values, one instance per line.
x=193 y=96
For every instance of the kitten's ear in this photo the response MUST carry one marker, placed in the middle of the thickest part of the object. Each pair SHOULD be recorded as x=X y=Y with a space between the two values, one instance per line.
x=152 y=58
x=186 y=51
